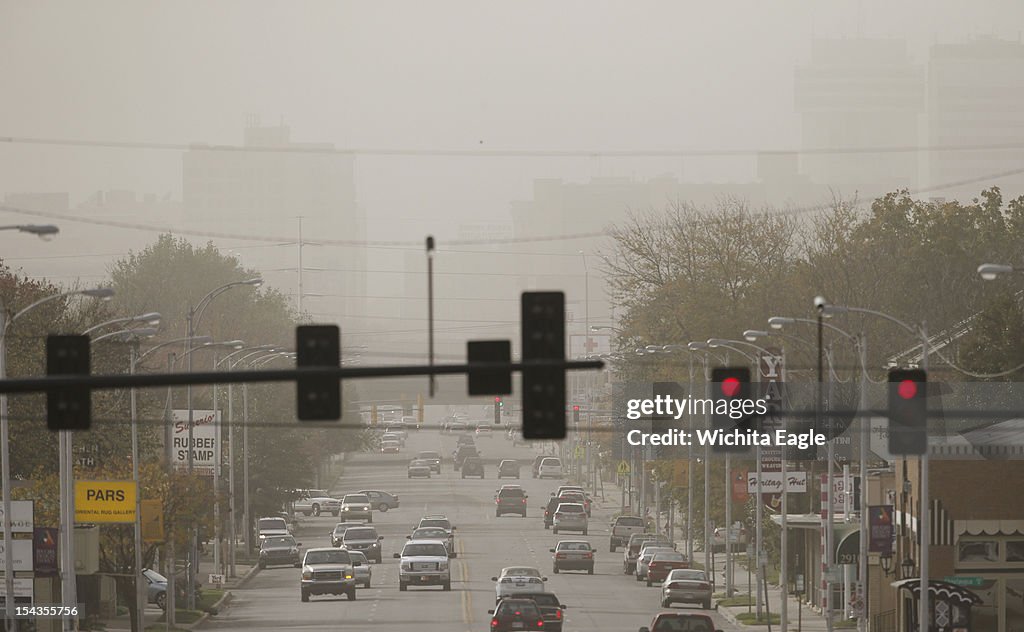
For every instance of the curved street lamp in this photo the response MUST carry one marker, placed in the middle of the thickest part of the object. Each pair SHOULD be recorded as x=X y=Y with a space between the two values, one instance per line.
x=67 y=563
x=149 y=318
x=43 y=231
x=989 y=271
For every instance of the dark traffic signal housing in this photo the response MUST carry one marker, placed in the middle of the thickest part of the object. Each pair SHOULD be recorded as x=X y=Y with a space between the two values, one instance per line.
x=70 y=407
x=908 y=411
x=732 y=398
x=543 y=338
x=318 y=398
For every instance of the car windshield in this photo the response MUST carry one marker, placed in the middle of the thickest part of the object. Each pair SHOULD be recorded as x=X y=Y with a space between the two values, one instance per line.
x=551 y=462
x=357 y=556
x=419 y=463
x=520 y=571
x=573 y=546
x=687 y=575
x=650 y=551
x=273 y=523
x=154 y=576
x=428 y=455
x=512 y=491
x=629 y=522
x=357 y=498
x=278 y=542
x=571 y=508
x=443 y=524
x=434 y=550
x=361 y=534
x=668 y=557
x=429 y=534
x=341 y=528
x=327 y=557
x=545 y=600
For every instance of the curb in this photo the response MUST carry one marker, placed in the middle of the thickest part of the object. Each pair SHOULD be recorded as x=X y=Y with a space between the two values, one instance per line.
x=223 y=601
x=253 y=571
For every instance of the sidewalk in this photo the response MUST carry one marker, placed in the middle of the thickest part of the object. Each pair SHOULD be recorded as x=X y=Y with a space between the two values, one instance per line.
x=154 y=615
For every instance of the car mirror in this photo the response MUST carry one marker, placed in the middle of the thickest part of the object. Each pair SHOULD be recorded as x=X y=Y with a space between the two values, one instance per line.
x=397 y=556
x=543 y=579
x=454 y=528
x=490 y=612
x=494 y=579
x=380 y=537
x=408 y=537
x=298 y=544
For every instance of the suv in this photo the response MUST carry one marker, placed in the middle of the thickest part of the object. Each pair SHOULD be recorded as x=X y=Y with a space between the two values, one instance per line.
x=570 y=516
x=536 y=463
x=424 y=563
x=266 y=527
x=550 y=467
x=464 y=452
x=315 y=501
x=434 y=458
x=622 y=529
x=549 y=510
x=472 y=466
x=356 y=506
x=279 y=549
x=516 y=614
x=510 y=500
x=508 y=468
x=363 y=539
x=328 y=571
x=549 y=606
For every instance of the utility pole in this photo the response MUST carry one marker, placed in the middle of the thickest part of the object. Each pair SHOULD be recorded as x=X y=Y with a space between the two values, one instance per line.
x=298 y=298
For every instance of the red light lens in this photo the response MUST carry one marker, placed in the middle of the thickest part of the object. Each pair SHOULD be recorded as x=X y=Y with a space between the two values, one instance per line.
x=907 y=389
x=494 y=622
x=576 y=409
x=730 y=386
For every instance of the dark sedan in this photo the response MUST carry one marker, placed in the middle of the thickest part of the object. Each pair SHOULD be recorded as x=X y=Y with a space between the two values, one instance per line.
x=279 y=550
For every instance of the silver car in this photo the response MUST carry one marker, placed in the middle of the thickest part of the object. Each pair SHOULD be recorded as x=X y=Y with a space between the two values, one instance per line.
x=571 y=517
x=685 y=585
x=356 y=507
x=363 y=572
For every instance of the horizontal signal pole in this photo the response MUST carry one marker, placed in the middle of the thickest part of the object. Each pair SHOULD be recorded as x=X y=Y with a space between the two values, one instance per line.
x=94 y=382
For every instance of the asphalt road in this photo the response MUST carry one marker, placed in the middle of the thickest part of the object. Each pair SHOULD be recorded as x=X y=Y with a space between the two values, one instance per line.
x=606 y=601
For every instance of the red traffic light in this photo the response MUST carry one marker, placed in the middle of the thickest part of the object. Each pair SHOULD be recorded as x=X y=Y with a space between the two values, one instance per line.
x=575 y=409
x=907 y=389
x=730 y=386
x=497 y=400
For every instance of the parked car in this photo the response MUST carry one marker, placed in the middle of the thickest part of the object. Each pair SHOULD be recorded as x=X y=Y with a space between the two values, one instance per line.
x=473 y=466
x=278 y=550
x=327 y=571
x=573 y=555
x=571 y=517
x=686 y=586
x=381 y=501
x=510 y=500
x=509 y=468
x=672 y=621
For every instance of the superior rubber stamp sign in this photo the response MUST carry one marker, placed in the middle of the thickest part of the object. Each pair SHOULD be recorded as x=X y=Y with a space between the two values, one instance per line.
x=104 y=501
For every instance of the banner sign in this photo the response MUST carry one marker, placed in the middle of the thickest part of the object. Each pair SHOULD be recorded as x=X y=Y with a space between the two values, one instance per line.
x=880 y=526
x=204 y=440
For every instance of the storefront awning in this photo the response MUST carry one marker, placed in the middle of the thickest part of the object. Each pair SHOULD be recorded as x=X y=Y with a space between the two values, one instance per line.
x=940 y=589
x=989 y=527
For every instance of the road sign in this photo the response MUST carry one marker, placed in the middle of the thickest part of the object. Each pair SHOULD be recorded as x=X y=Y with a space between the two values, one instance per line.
x=970 y=582
x=216 y=580
x=152 y=521
x=22 y=553
x=623 y=468
x=104 y=501
x=771 y=482
x=22 y=587
x=21 y=516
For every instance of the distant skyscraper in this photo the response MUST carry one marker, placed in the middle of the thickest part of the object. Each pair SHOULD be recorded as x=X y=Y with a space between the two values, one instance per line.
x=860 y=93
x=976 y=97
x=262 y=190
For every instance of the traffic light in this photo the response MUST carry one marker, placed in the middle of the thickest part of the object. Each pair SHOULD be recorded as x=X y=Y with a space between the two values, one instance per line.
x=497 y=409
x=70 y=407
x=575 y=416
x=543 y=338
x=318 y=398
x=731 y=397
x=908 y=412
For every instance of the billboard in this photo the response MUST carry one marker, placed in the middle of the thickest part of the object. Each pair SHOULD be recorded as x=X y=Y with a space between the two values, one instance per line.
x=205 y=427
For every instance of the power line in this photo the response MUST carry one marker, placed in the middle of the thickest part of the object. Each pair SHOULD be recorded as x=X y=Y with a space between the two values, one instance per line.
x=505 y=153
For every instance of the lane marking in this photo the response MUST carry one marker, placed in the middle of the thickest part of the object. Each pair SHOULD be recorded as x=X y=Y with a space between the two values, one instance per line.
x=467 y=597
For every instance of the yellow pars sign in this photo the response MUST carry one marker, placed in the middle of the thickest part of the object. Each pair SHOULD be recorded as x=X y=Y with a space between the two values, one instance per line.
x=105 y=501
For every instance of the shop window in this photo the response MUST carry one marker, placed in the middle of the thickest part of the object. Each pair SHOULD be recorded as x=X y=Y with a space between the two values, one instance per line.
x=1015 y=550
x=984 y=551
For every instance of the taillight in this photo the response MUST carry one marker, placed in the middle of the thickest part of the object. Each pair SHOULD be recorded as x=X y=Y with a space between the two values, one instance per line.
x=674 y=586
x=494 y=622
x=588 y=555
x=559 y=556
x=540 y=623
x=558 y=614
x=524 y=500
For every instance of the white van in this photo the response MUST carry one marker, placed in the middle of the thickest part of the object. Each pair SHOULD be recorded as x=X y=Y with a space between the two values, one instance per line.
x=550 y=467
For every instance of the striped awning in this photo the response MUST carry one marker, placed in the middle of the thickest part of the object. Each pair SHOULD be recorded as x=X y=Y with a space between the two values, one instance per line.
x=940 y=589
x=989 y=527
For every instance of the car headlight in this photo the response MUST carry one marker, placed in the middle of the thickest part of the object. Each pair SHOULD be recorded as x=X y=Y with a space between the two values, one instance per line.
x=307 y=574
x=442 y=566
x=406 y=566
x=348 y=575
x=374 y=545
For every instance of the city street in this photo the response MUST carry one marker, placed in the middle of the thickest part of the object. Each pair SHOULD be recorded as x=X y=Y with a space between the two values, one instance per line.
x=607 y=600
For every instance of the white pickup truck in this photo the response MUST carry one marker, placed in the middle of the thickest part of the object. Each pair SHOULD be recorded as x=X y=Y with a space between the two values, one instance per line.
x=622 y=528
